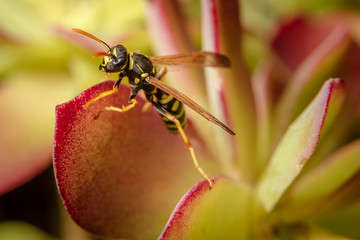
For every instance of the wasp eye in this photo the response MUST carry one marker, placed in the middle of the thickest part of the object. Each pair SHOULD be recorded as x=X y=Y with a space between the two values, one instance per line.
x=117 y=61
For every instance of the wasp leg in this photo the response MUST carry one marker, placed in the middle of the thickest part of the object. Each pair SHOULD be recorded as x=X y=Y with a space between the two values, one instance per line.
x=162 y=73
x=101 y=95
x=116 y=109
x=106 y=93
x=172 y=118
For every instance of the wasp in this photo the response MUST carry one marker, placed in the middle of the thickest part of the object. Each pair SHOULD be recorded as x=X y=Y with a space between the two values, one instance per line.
x=143 y=75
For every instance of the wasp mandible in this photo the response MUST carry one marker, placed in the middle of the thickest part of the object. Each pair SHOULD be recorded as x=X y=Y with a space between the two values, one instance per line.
x=142 y=75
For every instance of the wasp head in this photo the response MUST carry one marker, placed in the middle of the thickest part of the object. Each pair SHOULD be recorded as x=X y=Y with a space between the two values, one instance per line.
x=115 y=60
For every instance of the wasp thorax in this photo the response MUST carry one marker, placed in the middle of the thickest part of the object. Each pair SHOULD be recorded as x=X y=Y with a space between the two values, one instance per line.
x=118 y=60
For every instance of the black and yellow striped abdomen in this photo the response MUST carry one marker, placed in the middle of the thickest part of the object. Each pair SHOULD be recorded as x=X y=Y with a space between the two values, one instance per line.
x=174 y=107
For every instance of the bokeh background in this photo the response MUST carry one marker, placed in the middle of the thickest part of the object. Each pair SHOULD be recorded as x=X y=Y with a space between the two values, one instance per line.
x=42 y=64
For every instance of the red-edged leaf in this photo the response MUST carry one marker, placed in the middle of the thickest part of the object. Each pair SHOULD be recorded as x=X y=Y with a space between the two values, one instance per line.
x=328 y=40
x=350 y=72
x=217 y=214
x=168 y=23
x=122 y=174
x=166 y=20
x=296 y=146
x=297 y=39
x=230 y=89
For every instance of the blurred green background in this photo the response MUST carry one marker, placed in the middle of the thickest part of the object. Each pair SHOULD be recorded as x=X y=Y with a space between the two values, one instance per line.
x=43 y=64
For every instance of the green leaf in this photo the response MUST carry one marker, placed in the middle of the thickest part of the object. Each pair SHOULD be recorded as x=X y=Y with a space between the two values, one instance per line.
x=15 y=230
x=230 y=89
x=219 y=213
x=296 y=146
x=329 y=175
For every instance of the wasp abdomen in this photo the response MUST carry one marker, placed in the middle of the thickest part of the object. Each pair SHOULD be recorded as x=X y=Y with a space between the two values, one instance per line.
x=174 y=107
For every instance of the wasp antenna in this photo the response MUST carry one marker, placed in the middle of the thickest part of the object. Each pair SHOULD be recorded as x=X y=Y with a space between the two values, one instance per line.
x=99 y=54
x=91 y=36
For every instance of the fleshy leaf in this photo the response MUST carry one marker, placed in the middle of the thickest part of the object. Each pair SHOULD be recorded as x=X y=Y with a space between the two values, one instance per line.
x=21 y=230
x=323 y=180
x=307 y=34
x=328 y=38
x=304 y=231
x=217 y=214
x=214 y=79
x=166 y=21
x=27 y=101
x=345 y=220
x=261 y=82
x=231 y=99
x=335 y=136
x=122 y=174
x=296 y=146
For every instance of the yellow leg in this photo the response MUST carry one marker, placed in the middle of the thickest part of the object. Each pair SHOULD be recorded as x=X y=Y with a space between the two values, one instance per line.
x=162 y=74
x=101 y=95
x=116 y=109
x=189 y=146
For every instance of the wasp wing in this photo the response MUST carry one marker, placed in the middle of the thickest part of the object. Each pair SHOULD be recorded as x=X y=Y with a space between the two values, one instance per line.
x=199 y=59
x=187 y=101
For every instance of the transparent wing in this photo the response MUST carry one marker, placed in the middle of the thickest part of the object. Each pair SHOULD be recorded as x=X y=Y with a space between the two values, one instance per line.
x=199 y=59
x=187 y=101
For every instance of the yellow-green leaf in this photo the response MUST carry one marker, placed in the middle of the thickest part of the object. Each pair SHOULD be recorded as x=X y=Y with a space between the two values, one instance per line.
x=296 y=146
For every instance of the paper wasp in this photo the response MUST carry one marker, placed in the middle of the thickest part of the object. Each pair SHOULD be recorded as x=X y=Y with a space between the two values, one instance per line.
x=142 y=75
